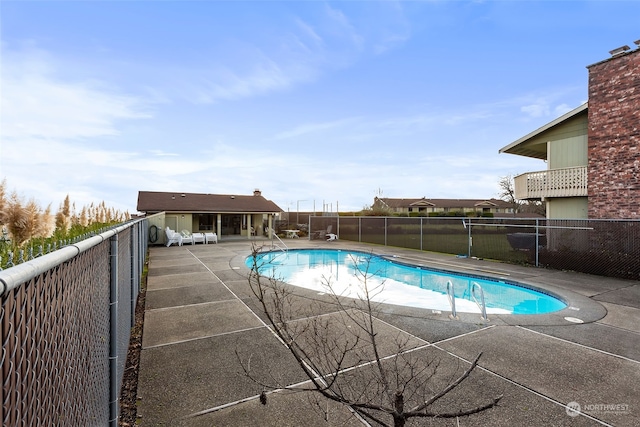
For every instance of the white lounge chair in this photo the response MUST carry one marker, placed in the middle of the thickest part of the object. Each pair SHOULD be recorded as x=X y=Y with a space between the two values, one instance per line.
x=331 y=237
x=210 y=238
x=198 y=238
x=187 y=237
x=173 y=237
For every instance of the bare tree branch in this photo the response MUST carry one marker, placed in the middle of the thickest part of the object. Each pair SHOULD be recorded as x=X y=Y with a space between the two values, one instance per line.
x=341 y=353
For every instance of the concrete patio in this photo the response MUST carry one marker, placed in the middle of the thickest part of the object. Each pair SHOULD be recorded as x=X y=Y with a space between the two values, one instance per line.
x=200 y=315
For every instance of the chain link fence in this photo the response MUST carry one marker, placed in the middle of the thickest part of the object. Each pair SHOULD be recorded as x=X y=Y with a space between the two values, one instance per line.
x=601 y=247
x=66 y=320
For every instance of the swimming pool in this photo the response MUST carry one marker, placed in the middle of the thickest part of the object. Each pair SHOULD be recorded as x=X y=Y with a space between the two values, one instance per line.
x=401 y=284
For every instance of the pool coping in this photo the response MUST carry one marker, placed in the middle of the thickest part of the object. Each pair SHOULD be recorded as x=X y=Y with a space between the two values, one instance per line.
x=580 y=309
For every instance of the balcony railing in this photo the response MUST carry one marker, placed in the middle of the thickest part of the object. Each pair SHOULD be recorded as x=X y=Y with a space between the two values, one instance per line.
x=566 y=182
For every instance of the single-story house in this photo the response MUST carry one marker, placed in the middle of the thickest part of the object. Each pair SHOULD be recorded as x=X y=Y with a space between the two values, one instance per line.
x=227 y=215
x=426 y=206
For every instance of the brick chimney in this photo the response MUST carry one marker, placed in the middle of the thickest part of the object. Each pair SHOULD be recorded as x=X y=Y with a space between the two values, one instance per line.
x=614 y=135
x=257 y=192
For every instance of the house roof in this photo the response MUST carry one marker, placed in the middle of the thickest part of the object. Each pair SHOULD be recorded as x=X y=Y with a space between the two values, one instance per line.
x=445 y=203
x=534 y=144
x=153 y=201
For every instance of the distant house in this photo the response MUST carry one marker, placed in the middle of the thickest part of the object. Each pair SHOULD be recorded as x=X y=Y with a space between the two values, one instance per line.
x=592 y=152
x=444 y=206
x=227 y=215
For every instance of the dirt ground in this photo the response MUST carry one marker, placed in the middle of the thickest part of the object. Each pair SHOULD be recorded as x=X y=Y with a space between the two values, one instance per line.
x=129 y=391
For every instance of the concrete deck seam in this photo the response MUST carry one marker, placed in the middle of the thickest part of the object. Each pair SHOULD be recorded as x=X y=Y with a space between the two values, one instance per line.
x=230 y=291
x=530 y=390
x=313 y=317
x=401 y=330
x=256 y=397
x=170 y=288
x=599 y=322
x=191 y=305
x=464 y=335
x=319 y=376
x=580 y=345
x=612 y=290
x=378 y=319
x=206 y=337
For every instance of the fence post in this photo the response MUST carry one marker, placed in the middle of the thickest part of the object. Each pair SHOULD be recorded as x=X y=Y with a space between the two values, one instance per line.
x=113 y=335
x=135 y=275
x=469 y=239
x=360 y=229
x=537 y=241
x=385 y=230
x=421 y=233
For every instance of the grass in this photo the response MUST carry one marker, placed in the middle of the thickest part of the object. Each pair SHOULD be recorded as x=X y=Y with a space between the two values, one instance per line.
x=489 y=246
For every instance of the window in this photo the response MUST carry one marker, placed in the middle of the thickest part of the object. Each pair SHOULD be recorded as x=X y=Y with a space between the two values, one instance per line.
x=206 y=222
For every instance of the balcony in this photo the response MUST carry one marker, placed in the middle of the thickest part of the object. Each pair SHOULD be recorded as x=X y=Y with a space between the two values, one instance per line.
x=566 y=182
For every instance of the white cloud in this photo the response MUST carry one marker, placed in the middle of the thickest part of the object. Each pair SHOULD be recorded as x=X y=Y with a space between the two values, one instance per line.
x=37 y=104
x=561 y=109
x=309 y=128
x=50 y=128
x=308 y=30
x=536 y=110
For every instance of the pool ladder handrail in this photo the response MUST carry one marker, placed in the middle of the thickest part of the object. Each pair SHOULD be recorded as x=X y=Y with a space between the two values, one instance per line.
x=273 y=233
x=452 y=299
x=481 y=304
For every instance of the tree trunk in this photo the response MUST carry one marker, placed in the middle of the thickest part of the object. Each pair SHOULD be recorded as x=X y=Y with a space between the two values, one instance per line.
x=398 y=416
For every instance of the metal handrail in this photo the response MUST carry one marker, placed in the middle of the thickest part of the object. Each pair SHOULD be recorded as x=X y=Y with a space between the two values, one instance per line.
x=273 y=233
x=481 y=304
x=452 y=299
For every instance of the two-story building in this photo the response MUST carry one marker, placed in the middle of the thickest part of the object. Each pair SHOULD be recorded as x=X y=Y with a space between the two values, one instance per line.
x=593 y=151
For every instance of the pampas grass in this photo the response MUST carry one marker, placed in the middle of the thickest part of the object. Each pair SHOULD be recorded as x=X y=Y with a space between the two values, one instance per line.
x=26 y=224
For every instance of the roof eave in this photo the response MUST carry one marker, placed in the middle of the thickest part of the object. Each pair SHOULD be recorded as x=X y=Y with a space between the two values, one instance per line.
x=514 y=148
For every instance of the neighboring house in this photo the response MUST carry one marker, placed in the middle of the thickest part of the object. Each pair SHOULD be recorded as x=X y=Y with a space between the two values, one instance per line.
x=443 y=206
x=224 y=214
x=593 y=151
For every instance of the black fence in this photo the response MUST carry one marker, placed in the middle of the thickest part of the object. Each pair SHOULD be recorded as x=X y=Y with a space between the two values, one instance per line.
x=66 y=321
x=601 y=247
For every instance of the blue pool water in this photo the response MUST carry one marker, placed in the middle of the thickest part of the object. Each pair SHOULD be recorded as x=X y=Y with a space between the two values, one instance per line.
x=396 y=283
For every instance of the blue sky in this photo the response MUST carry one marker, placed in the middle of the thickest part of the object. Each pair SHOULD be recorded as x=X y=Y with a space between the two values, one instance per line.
x=315 y=103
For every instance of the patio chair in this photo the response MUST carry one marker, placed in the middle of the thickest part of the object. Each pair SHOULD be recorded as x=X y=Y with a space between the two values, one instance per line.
x=173 y=237
x=210 y=237
x=198 y=238
x=187 y=237
x=331 y=237
x=321 y=234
